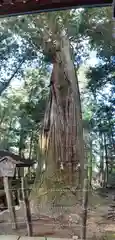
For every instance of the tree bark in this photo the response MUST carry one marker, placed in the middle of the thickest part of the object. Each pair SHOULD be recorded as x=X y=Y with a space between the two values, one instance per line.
x=90 y=165
x=63 y=130
x=102 y=173
x=106 y=159
x=30 y=153
x=63 y=122
x=20 y=169
x=69 y=69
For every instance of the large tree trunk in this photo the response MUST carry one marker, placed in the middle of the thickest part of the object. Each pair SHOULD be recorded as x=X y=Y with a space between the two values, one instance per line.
x=63 y=130
x=62 y=138
x=75 y=117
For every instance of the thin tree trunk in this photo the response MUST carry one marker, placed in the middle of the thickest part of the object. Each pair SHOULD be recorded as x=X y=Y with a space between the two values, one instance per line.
x=102 y=174
x=106 y=159
x=19 y=169
x=30 y=153
x=7 y=135
x=31 y=141
x=90 y=165
x=111 y=149
x=113 y=141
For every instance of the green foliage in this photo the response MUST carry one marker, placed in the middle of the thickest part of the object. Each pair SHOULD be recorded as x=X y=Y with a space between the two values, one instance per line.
x=21 y=113
x=101 y=85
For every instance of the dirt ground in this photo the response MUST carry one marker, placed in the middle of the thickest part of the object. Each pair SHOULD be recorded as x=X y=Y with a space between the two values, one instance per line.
x=67 y=225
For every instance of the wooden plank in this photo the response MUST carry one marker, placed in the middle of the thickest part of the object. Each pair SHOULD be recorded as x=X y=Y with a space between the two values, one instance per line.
x=7 y=167
x=7 y=188
x=27 y=207
x=21 y=7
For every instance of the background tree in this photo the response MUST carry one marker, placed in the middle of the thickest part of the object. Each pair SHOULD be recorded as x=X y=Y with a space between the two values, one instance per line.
x=101 y=85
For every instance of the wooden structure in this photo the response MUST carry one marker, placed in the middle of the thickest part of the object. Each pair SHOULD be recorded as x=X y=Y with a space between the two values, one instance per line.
x=13 y=7
x=8 y=164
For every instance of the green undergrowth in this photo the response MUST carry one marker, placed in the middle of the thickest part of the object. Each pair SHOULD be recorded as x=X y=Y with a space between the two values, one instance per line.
x=109 y=236
x=106 y=236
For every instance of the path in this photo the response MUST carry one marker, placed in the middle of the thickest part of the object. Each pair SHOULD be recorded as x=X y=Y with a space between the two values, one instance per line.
x=7 y=237
x=64 y=226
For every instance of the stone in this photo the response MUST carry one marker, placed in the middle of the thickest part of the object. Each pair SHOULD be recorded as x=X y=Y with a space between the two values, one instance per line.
x=32 y=238
x=42 y=238
x=9 y=237
x=75 y=237
x=74 y=218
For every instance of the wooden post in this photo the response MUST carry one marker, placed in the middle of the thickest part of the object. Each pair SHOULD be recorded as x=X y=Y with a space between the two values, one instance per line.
x=84 y=210
x=7 y=188
x=27 y=207
x=85 y=198
x=20 y=197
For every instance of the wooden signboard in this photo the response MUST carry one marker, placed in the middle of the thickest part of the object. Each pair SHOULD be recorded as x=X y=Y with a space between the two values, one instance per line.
x=18 y=7
x=7 y=168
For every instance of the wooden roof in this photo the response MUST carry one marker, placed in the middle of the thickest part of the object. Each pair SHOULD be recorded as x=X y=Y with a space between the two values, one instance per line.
x=19 y=161
x=18 y=7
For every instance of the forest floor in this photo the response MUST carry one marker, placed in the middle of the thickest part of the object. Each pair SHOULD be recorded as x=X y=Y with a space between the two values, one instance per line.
x=100 y=224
